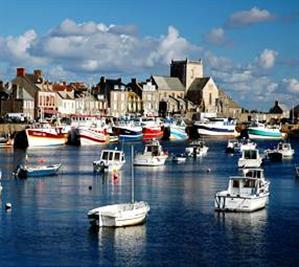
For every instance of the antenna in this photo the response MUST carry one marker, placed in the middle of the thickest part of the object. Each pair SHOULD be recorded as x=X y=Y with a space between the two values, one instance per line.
x=132 y=174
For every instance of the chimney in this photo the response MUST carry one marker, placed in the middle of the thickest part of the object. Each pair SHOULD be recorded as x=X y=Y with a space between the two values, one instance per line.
x=1 y=84
x=276 y=103
x=38 y=73
x=21 y=72
x=133 y=80
x=102 y=79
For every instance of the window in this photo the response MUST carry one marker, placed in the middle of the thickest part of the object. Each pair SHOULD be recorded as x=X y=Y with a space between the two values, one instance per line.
x=105 y=156
x=117 y=156
x=236 y=184
x=210 y=99
x=111 y=156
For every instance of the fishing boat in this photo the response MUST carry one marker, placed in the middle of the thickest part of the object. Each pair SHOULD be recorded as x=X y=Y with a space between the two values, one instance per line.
x=197 y=148
x=175 y=129
x=24 y=171
x=261 y=131
x=246 y=193
x=221 y=127
x=120 y=215
x=45 y=136
x=92 y=136
x=151 y=128
x=128 y=131
x=110 y=160
x=152 y=155
x=250 y=159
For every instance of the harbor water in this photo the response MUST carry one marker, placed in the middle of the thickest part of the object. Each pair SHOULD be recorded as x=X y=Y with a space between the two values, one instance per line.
x=48 y=225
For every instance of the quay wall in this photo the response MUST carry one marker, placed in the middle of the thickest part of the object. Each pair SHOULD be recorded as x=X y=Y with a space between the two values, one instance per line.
x=10 y=128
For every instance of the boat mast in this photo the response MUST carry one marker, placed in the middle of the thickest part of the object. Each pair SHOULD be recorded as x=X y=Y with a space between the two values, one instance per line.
x=132 y=174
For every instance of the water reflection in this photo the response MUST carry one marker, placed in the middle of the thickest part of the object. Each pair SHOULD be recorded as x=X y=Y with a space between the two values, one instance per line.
x=126 y=244
x=254 y=220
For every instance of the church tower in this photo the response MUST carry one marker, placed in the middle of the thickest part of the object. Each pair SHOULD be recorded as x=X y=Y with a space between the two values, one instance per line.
x=186 y=70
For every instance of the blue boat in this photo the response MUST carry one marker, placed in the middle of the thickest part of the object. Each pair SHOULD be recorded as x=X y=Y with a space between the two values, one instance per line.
x=23 y=171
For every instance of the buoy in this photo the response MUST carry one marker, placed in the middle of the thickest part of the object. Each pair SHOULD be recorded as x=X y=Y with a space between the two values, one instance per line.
x=90 y=187
x=209 y=170
x=8 y=206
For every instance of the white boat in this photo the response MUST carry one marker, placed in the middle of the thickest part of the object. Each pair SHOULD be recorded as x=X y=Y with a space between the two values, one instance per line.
x=110 y=160
x=197 y=148
x=232 y=146
x=259 y=174
x=285 y=149
x=45 y=136
x=217 y=127
x=246 y=144
x=153 y=155
x=261 y=131
x=179 y=158
x=244 y=193
x=92 y=136
x=120 y=215
x=250 y=159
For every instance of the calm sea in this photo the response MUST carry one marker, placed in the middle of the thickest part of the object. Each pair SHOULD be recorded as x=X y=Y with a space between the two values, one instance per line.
x=48 y=224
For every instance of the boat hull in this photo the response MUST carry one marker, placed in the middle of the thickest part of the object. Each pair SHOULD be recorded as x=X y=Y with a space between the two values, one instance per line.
x=240 y=204
x=92 y=137
x=119 y=215
x=269 y=134
x=152 y=133
x=43 y=137
x=150 y=161
x=177 y=134
x=41 y=171
x=213 y=131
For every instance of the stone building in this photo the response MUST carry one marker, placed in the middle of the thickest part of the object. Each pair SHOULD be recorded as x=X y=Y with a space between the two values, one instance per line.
x=169 y=90
x=187 y=71
x=205 y=94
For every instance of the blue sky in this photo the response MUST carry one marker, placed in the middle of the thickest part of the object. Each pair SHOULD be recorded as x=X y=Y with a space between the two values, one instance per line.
x=250 y=48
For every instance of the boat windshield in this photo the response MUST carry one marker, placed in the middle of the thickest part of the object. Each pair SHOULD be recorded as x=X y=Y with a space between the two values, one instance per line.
x=105 y=155
x=250 y=154
x=117 y=156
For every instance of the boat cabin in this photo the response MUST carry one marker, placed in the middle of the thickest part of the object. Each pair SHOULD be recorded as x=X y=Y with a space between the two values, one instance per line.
x=254 y=173
x=240 y=186
x=250 y=154
x=110 y=155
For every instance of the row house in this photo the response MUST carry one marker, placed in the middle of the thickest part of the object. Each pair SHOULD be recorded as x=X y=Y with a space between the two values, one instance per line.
x=16 y=99
x=148 y=96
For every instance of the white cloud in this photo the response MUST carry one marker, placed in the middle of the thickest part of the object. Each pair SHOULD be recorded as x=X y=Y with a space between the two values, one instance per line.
x=292 y=85
x=216 y=37
x=247 y=17
x=267 y=58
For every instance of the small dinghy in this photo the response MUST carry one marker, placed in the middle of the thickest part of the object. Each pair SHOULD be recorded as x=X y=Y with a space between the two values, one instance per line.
x=179 y=158
x=24 y=171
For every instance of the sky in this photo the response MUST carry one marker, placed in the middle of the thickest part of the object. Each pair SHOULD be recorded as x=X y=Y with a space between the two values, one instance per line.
x=249 y=48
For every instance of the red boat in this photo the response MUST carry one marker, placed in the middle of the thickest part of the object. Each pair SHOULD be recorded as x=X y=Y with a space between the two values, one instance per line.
x=152 y=129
